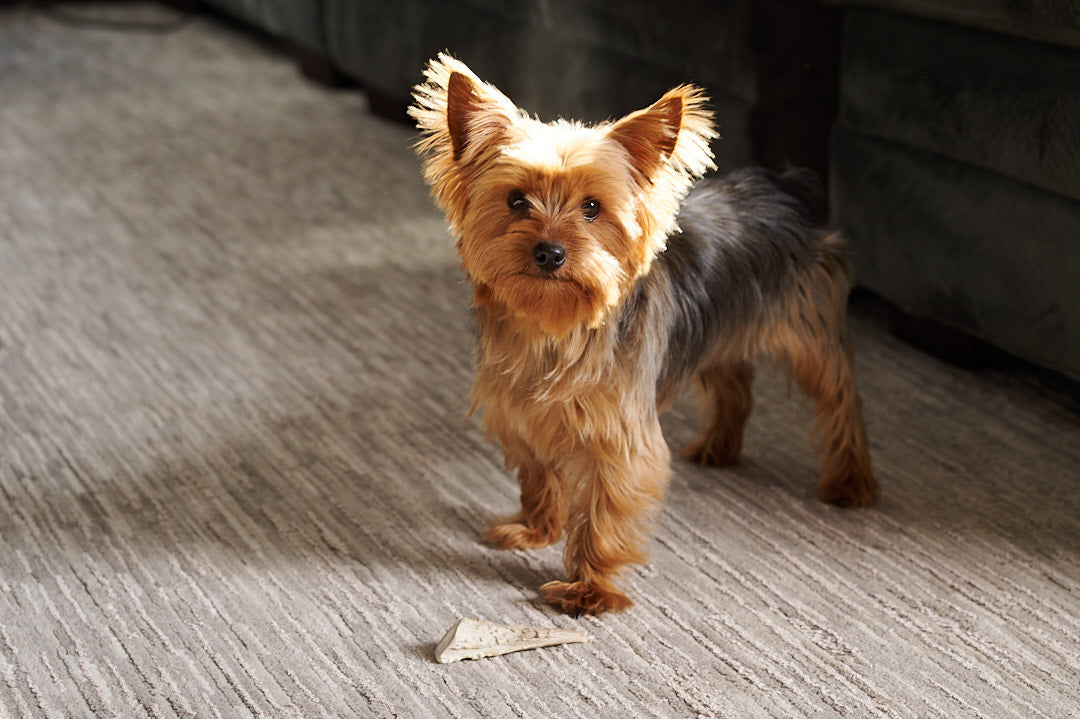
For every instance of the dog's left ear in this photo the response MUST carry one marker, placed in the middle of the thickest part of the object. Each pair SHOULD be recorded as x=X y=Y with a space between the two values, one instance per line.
x=649 y=135
x=676 y=129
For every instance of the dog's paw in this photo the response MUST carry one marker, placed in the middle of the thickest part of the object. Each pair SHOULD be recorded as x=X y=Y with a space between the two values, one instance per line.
x=515 y=535
x=712 y=451
x=577 y=598
x=850 y=488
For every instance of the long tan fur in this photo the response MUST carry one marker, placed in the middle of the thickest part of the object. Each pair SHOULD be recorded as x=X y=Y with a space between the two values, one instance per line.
x=572 y=351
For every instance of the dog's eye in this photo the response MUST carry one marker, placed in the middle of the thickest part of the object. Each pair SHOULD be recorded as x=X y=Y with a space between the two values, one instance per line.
x=517 y=202
x=591 y=209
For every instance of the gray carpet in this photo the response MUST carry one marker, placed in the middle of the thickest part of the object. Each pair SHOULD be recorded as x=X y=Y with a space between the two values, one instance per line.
x=237 y=478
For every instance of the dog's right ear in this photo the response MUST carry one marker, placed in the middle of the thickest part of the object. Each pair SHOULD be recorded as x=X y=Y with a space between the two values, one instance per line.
x=462 y=122
x=462 y=110
x=458 y=112
x=476 y=114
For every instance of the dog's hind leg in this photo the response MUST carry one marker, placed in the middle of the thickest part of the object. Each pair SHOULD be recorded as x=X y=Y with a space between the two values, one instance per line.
x=814 y=344
x=727 y=401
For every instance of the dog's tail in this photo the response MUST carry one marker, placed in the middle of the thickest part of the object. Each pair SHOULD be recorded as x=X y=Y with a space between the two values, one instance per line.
x=803 y=186
x=795 y=189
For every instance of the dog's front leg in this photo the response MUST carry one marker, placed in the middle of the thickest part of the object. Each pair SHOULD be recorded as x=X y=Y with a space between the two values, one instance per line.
x=621 y=484
x=543 y=509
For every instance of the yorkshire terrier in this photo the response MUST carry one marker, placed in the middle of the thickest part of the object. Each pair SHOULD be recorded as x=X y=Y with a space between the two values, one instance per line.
x=603 y=280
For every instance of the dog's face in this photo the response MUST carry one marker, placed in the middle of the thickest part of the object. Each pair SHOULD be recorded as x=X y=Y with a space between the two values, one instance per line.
x=549 y=229
x=554 y=222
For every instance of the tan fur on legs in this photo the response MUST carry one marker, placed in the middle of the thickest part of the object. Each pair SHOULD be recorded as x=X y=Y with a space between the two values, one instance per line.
x=814 y=343
x=610 y=521
x=727 y=401
x=846 y=476
x=543 y=511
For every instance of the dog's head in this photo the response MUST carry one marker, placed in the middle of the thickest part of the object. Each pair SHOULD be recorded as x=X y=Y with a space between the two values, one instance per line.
x=555 y=221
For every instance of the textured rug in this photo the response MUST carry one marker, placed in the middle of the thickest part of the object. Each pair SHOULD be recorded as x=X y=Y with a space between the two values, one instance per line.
x=236 y=477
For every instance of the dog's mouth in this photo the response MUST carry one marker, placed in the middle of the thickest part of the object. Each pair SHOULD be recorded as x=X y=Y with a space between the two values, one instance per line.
x=546 y=275
x=555 y=302
x=543 y=286
x=536 y=277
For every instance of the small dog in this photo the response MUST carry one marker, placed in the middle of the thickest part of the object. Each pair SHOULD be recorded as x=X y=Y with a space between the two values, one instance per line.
x=600 y=287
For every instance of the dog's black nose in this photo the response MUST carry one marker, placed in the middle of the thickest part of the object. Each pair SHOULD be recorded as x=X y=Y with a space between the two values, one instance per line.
x=549 y=257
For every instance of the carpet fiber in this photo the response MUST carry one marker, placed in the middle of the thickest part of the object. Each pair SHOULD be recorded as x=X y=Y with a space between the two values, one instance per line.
x=237 y=479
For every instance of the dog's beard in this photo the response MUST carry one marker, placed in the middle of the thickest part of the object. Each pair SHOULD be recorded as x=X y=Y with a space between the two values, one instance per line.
x=581 y=293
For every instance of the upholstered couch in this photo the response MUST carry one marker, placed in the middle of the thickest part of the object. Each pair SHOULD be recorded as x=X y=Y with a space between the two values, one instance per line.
x=956 y=166
x=949 y=129
x=595 y=59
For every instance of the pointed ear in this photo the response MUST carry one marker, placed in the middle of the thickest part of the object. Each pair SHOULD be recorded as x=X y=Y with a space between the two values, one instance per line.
x=649 y=135
x=462 y=106
x=458 y=114
x=476 y=114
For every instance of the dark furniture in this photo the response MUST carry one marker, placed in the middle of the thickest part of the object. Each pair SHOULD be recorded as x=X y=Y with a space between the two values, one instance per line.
x=949 y=129
x=956 y=166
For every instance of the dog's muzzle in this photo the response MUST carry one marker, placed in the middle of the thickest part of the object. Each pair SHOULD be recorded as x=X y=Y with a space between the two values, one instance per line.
x=548 y=256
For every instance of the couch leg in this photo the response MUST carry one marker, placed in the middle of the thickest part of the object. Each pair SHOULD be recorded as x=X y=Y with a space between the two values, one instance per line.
x=319 y=68
x=388 y=106
x=944 y=342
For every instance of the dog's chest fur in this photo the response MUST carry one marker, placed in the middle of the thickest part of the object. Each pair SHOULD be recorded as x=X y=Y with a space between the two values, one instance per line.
x=559 y=396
